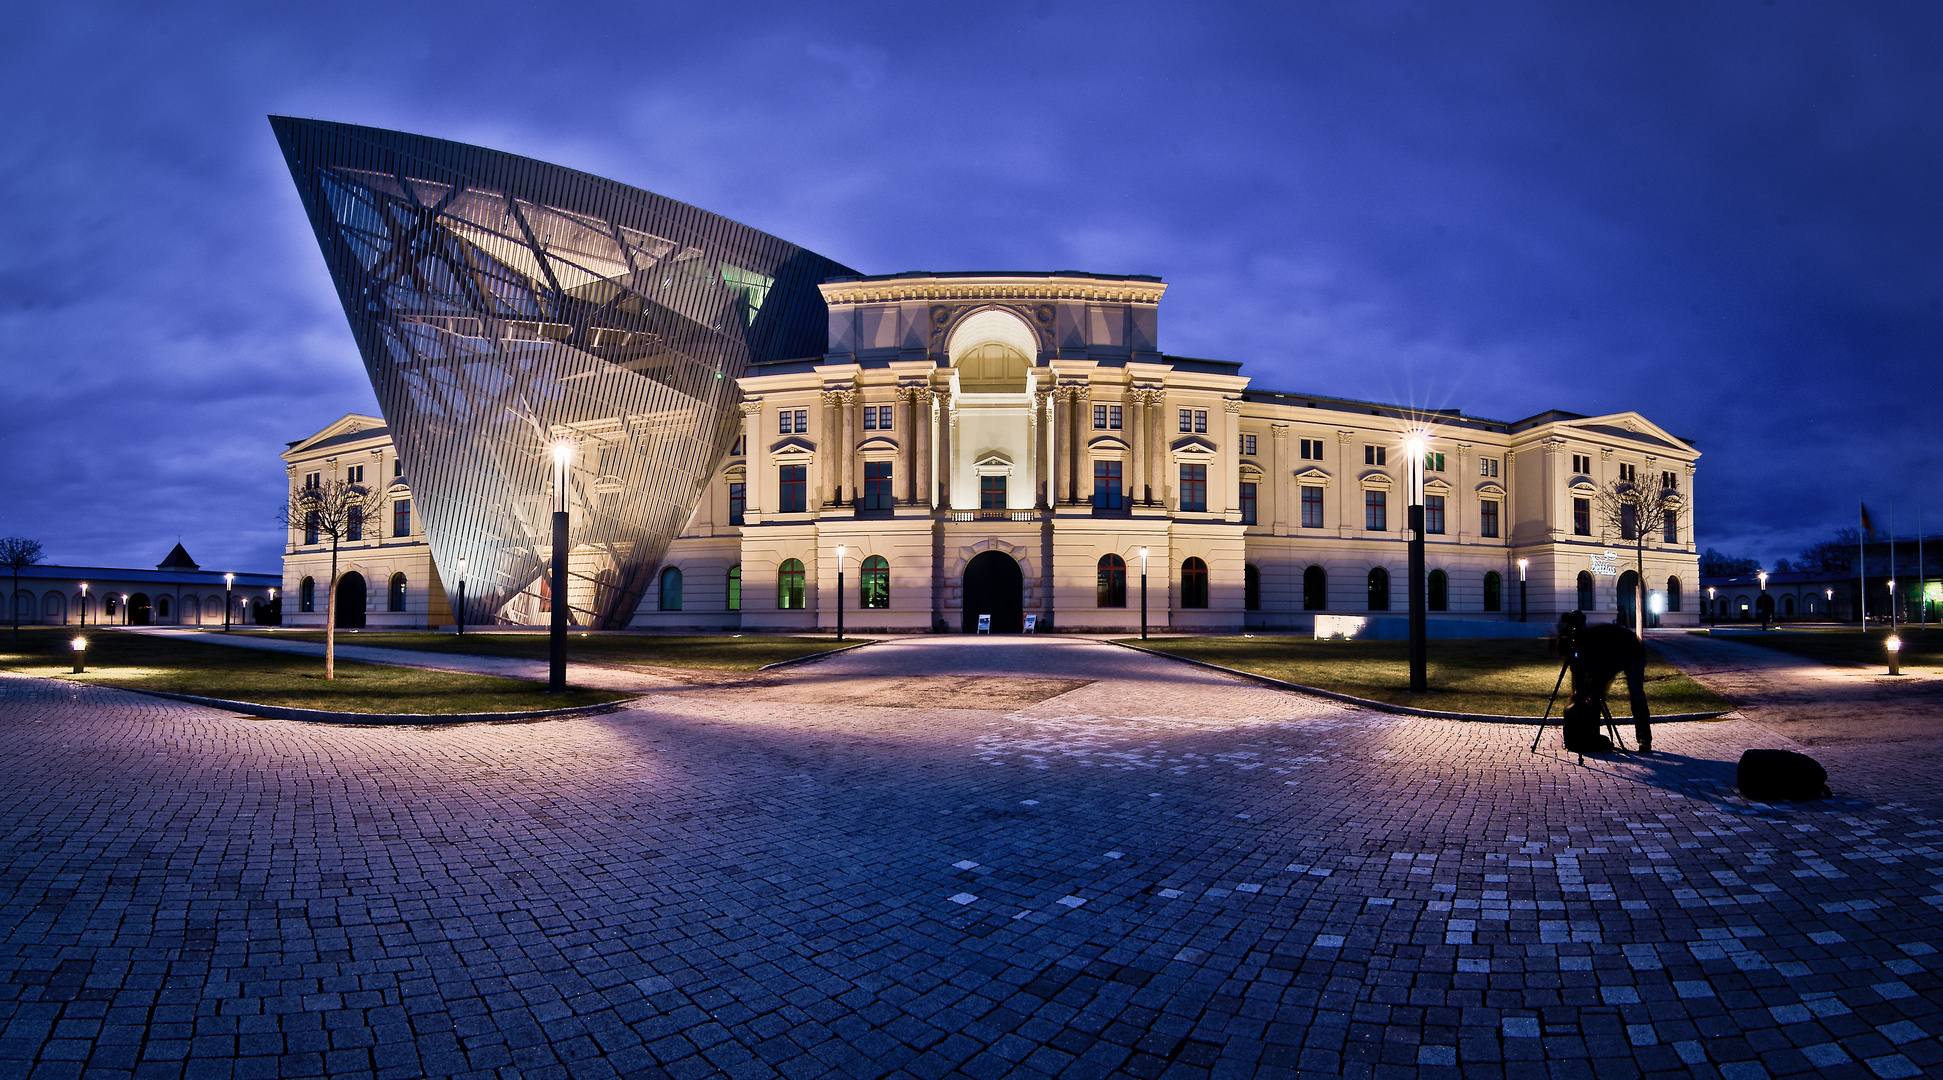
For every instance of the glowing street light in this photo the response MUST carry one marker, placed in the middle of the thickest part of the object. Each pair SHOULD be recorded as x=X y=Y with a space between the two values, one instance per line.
x=1892 y=604
x=1524 y=593
x=124 y=609
x=1419 y=631
x=1895 y=647
x=80 y=647
x=840 y=550
x=229 y=588
x=556 y=681
x=84 y=603
x=1143 y=594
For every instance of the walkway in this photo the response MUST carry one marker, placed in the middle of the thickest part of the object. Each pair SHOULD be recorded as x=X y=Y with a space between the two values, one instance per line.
x=949 y=857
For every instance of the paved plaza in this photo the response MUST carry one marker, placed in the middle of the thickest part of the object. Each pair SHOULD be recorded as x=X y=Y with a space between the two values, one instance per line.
x=949 y=856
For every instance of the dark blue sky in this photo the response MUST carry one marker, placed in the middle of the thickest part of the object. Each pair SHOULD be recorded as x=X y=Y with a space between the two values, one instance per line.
x=1723 y=215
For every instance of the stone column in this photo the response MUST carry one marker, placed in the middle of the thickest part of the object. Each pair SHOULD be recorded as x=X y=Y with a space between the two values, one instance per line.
x=1061 y=435
x=908 y=442
x=1082 y=400
x=1230 y=458
x=1041 y=448
x=1345 y=522
x=830 y=479
x=847 y=446
x=947 y=446
x=1281 y=487
x=1136 y=453
x=755 y=473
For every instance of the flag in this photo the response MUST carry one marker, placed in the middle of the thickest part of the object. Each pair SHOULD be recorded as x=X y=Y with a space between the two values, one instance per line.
x=1868 y=526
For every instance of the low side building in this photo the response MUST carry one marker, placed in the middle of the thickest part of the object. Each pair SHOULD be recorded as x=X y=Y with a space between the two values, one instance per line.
x=386 y=579
x=177 y=592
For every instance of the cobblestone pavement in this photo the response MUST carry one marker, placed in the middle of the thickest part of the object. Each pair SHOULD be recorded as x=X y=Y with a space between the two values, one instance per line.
x=1001 y=857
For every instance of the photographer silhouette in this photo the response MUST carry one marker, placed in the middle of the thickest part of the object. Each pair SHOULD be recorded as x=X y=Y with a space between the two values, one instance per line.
x=1595 y=655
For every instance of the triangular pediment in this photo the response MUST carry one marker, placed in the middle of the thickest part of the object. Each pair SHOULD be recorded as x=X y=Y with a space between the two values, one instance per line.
x=1313 y=476
x=1630 y=429
x=1193 y=446
x=347 y=428
x=792 y=447
x=1437 y=487
x=993 y=465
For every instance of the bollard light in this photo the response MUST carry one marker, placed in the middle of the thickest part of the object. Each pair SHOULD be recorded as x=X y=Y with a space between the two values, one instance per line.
x=80 y=647
x=1895 y=647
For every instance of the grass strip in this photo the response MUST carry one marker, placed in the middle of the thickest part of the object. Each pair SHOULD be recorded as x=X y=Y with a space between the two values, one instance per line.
x=174 y=666
x=705 y=652
x=1920 y=647
x=1492 y=676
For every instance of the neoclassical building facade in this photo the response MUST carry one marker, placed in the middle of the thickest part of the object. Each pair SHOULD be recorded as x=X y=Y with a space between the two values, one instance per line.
x=1015 y=445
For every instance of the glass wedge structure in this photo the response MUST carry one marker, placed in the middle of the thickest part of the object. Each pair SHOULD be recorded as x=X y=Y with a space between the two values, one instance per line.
x=502 y=305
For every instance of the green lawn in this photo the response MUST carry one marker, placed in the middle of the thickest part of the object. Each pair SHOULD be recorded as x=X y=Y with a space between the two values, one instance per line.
x=711 y=652
x=1503 y=677
x=1921 y=648
x=174 y=666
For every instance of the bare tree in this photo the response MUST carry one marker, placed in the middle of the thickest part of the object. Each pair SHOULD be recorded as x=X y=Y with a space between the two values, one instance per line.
x=1635 y=509
x=16 y=554
x=334 y=511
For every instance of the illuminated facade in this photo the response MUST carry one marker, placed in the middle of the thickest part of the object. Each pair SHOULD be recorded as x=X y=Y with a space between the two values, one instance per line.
x=502 y=304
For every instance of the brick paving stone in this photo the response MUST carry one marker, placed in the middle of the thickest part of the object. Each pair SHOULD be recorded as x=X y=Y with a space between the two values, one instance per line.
x=769 y=879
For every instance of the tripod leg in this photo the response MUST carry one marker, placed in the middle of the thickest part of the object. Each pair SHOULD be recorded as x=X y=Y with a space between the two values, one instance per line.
x=1553 y=700
x=1612 y=728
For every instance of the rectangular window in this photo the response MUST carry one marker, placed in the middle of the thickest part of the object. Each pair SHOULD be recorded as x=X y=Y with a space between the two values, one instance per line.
x=1628 y=522
x=1376 y=511
x=1669 y=481
x=738 y=502
x=1375 y=455
x=1629 y=474
x=1201 y=421
x=313 y=481
x=1582 y=517
x=792 y=483
x=397 y=466
x=1312 y=449
x=310 y=527
x=877 y=485
x=1312 y=508
x=1247 y=504
x=793 y=421
x=354 y=474
x=1433 y=513
x=740 y=447
x=1488 y=517
x=1433 y=462
x=1114 y=414
x=1248 y=445
x=1106 y=485
x=870 y=418
x=1187 y=420
x=401 y=517
x=1194 y=489
x=991 y=493
x=1671 y=531
x=354 y=526
x=1099 y=418
x=1581 y=463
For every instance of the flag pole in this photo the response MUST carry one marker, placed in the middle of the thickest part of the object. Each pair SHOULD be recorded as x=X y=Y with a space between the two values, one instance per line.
x=1862 y=564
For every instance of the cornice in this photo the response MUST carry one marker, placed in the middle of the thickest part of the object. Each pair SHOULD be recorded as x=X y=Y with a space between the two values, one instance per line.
x=838 y=293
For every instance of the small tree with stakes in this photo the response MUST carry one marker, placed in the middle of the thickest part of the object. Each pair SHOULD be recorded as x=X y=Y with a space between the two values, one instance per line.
x=16 y=554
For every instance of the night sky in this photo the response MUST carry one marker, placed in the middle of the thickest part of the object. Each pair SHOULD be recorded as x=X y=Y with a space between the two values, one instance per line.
x=1723 y=215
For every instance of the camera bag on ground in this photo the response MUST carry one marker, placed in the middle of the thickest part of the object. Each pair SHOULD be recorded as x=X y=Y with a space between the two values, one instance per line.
x=1780 y=774
x=1581 y=724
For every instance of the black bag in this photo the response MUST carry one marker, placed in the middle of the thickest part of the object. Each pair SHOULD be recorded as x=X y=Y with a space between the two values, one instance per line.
x=1780 y=774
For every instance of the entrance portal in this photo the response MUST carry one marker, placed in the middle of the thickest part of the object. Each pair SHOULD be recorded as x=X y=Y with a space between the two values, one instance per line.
x=994 y=586
x=350 y=601
x=139 y=613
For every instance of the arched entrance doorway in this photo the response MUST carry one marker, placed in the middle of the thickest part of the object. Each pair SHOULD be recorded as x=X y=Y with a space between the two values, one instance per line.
x=1628 y=597
x=994 y=586
x=139 y=611
x=350 y=601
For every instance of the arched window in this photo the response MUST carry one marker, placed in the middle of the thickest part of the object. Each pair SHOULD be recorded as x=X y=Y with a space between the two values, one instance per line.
x=1379 y=589
x=1673 y=594
x=671 y=589
x=1194 y=584
x=874 y=587
x=1586 y=598
x=1315 y=589
x=1493 y=591
x=53 y=608
x=1439 y=597
x=108 y=601
x=161 y=607
x=1251 y=587
x=1787 y=605
x=789 y=585
x=735 y=587
x=395 y=593
x=307 y=595
x=1112 y=588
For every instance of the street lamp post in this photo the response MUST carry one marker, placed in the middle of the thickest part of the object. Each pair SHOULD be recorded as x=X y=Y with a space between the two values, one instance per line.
x=1830 y=594
x=1524 y=594
x=1419 y=661
x=1763 y=575
x=229 y=590
x=84 y=603
x=273 y=599
x=1143 y=594
x=840 y=550
x=460 y=613
x=556 y=679
x=124 y=609
x=1710 y=605
x=1892 y=605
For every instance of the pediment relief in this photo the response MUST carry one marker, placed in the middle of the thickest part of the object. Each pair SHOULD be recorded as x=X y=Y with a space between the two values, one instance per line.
x=1584 y=489
x=1251 y=473
x=1489 y=488
x=1313 y=477
x=792 y=448
x=1111 y=444
x=1377 y=480
x=736 y=474
x=1193 y=446
x=1437 y=487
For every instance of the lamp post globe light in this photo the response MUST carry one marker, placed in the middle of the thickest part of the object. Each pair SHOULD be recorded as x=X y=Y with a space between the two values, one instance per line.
x=273 y=599
x=1419 y=660
x=459 y=613
x=556 y=680
x=1524 y=593
x=1830 y=594
x=229 y=601
x=1143 y=594
x=840 y=551
x=124 y=609
x=84 y=603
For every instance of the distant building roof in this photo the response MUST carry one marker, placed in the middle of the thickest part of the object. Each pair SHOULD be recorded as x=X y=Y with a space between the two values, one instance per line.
x=178 y=560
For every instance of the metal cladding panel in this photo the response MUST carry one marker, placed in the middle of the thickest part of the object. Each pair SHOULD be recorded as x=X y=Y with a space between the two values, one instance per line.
x=502 y=304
